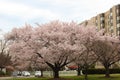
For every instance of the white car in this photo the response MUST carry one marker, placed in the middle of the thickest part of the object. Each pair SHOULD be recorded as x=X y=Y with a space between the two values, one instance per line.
x=37 y=73
x=25 y=73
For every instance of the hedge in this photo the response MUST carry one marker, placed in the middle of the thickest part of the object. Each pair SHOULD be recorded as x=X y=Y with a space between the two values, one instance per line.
x=2 y=73
x=101 y=71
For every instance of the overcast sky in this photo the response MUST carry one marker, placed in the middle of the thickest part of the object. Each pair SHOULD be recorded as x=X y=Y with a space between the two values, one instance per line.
x=16 y=13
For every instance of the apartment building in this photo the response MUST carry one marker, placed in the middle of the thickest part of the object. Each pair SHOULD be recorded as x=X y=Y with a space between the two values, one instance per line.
x=109 y=20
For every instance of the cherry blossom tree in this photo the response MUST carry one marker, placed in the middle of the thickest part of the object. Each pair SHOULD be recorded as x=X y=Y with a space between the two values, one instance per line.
x=107 y=49
x=86 y=56
x=53 y=42
x=79 y=62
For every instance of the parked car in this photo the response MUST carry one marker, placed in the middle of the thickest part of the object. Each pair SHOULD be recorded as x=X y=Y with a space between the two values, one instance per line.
x=37 y=73
x=16 y=73
x=25 y=73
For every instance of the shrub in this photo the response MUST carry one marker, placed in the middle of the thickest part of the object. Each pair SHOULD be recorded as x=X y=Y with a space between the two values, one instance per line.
x=2 y=73
x=8 y=73
x=101 y=71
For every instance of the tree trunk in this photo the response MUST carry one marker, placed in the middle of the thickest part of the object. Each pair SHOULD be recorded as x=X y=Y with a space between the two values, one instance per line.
x=79 y=70
x=55 y=69
x=56 y=73
x=107 y=73
x=86 y=73
x=41 y=73
x=1 y=68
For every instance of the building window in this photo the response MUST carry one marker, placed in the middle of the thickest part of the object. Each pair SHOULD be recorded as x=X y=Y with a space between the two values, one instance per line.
x=102 y=22
x=111 y=24
x=118 y=33
x=111 y=17
x=111 y=21
x=117 y=11
x=118 y=25
x=102 y=15
x=96 y=22
x=118 y=29
x=118 y=17
x=111 y=30
x=108 y=16
x=102 y=18
x=101 y=25
x=110 y=9
x=108 y=22
x=118 y=21
x=111 y=14
x=97 y=28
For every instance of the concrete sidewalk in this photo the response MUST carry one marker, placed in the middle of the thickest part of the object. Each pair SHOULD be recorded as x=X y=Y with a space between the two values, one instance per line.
x=5 y=78
x=11 y=77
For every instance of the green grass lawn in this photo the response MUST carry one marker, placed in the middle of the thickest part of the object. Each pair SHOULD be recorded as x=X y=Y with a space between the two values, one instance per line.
x=90 y=77
x=97 y=77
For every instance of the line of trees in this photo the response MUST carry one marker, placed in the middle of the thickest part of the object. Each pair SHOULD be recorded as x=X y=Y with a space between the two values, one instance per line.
x=59 y=43
x=5 y=58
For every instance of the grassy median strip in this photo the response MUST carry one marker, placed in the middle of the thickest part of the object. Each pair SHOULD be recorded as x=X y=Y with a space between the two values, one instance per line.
x=90 y=77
